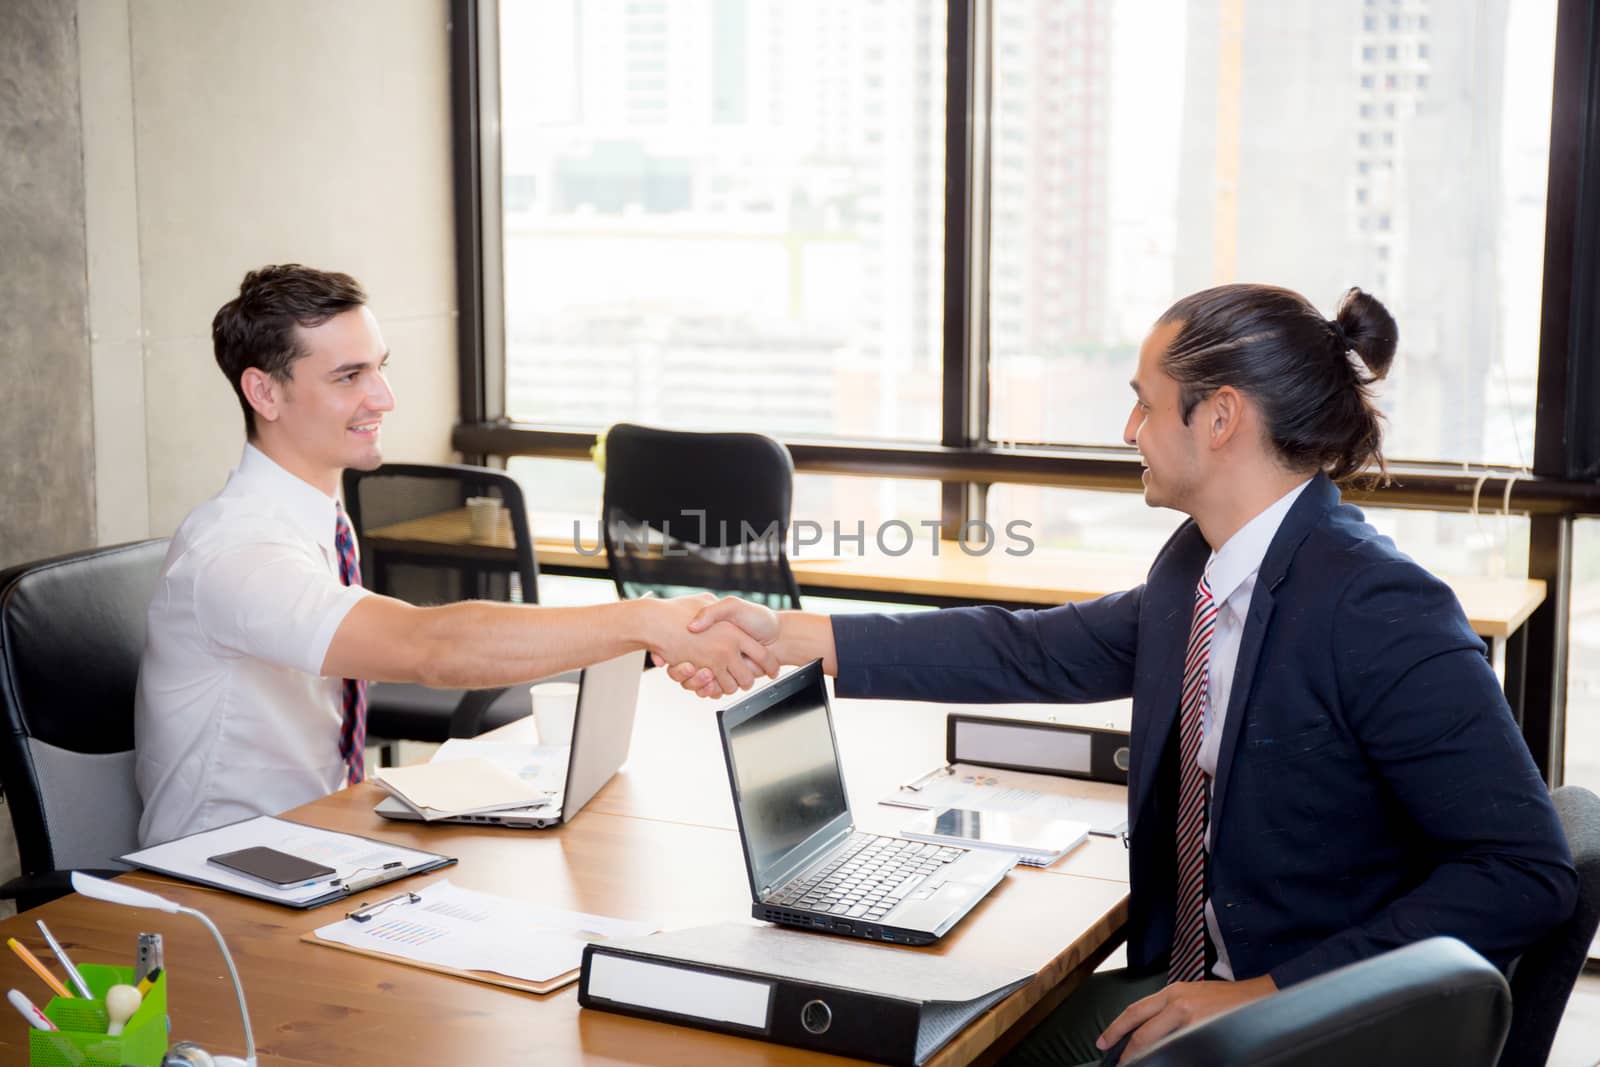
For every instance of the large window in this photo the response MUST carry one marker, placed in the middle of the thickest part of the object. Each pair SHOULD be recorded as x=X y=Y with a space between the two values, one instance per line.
x=1146 y=149
x=724 y=214
x=904 y=235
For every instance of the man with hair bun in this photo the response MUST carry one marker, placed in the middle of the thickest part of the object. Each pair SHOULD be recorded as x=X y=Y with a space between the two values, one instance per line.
x=1324 y=766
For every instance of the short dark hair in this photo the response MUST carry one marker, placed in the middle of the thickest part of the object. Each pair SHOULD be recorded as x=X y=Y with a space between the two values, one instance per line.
x=257 y=327
x=1272 y=345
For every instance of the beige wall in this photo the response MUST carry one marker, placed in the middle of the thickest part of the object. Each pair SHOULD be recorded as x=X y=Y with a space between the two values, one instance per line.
x=224 y=135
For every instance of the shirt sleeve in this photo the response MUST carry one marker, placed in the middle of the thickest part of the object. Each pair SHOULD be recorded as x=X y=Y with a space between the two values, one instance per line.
x=272 y=601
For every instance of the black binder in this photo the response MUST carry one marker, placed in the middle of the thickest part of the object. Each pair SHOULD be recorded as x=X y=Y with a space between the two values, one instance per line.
x=1093 y=753
x=874 y=1002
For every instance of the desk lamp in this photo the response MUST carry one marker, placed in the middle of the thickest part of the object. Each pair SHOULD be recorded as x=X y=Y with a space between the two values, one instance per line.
x=117 y=893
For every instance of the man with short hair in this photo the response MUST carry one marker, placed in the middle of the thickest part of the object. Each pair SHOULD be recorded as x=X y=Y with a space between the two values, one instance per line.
x=251 y=695
x=1323 y=765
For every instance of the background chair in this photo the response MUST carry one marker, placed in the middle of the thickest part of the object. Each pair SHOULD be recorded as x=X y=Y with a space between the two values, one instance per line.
x=425 y=573
x=72 y=630
x=1434 y=1001
x=687 y=512
x=1542 y=979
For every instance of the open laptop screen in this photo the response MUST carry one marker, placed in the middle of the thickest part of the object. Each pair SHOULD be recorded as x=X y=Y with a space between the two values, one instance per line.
x=786 y=769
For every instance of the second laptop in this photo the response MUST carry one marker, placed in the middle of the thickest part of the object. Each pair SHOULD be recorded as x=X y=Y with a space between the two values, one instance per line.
x=808 y=865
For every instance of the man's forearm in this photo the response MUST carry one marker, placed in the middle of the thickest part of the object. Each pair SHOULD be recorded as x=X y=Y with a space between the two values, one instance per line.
x=477 y=644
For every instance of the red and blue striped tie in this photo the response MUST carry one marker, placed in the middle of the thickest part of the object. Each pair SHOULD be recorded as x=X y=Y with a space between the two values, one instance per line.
x=1189 y=929
x=353 y=734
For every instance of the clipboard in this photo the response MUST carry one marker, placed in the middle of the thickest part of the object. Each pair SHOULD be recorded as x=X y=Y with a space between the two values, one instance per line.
x=486 y=977
x=362 y=863
x=480 y=937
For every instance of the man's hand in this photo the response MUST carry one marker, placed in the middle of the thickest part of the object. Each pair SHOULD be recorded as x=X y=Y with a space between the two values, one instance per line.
x=709 y=642
x=759 y=623
x=1178 y=1005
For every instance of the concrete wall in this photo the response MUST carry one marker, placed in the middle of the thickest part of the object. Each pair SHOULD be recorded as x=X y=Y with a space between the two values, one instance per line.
x=46 y=434
x=231 y=134
x=152 y=151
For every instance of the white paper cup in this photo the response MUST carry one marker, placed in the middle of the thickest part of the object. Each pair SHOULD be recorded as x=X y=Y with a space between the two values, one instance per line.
x=555 y=704
x=483 y=513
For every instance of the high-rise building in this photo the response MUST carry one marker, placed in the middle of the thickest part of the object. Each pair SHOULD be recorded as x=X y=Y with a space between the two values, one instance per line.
x=1327 y=145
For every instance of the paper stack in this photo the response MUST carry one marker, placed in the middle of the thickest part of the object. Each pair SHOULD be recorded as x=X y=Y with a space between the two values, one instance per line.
x=473 y=777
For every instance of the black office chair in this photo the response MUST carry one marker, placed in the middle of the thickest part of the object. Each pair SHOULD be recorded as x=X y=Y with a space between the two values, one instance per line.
x=72 y=630
x=1431 y=1002
x=1542 y=979
x=692 y=512
x=427 y=574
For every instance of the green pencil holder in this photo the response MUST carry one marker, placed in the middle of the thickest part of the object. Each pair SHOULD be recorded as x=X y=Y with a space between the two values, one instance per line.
x=82 y=1040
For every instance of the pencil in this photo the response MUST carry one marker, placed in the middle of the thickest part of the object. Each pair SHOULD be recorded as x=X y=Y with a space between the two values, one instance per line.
x=38 y=968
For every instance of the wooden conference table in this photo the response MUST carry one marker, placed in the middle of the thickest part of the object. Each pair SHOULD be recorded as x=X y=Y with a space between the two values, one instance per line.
x=657 y=844
x=1495 y=607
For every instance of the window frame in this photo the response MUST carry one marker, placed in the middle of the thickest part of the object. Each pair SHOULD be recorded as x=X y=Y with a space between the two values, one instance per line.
x=1565 y=482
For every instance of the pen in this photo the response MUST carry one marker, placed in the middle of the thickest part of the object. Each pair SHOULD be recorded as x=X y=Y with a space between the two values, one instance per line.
x=38 y=968
x=356 y=885
x=362 y=915
x=36 y=1018
x=66 y=965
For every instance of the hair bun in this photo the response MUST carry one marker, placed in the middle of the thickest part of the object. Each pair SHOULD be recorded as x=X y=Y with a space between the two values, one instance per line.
x=1368 y=328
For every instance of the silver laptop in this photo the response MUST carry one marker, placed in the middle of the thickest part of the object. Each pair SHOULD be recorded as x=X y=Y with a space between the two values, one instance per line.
x=602 y=729
x=808 y=865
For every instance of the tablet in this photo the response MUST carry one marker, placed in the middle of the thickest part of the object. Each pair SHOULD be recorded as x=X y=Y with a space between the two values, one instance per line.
x=1037 y=839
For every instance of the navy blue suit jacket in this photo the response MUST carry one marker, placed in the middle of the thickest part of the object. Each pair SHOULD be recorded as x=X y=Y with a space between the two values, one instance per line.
x=1371 y=790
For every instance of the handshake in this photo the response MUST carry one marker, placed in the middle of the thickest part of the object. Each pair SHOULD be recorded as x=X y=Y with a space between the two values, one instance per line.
x=715 y=647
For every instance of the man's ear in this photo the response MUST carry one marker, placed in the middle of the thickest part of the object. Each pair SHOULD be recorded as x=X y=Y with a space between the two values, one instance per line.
x=262 y=392
x=1227 y=412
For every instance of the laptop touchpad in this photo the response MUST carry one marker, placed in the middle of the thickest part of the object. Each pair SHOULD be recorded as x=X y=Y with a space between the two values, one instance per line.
x=928 y=912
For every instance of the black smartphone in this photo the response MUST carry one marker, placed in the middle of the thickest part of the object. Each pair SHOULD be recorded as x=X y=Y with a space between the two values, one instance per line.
x=272 y=867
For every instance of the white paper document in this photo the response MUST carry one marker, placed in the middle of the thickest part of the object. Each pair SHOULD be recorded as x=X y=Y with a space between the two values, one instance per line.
x=352 y=858
x=467 y=786
x=1102 y=805
x=541 y=766
x=470 y=931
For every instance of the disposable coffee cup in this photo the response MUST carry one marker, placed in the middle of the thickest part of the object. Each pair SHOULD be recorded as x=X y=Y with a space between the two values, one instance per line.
x=484 y=514
x=555 y=704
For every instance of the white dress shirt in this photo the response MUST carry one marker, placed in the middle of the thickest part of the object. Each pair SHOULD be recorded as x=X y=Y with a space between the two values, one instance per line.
x=233 y=717
x=1231 y=572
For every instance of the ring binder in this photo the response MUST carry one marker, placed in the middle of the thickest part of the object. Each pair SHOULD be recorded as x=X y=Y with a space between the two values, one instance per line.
x=1092 y=753
x=824 y=994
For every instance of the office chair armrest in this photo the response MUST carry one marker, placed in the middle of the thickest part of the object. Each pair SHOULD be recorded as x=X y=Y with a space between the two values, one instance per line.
x=31 y=890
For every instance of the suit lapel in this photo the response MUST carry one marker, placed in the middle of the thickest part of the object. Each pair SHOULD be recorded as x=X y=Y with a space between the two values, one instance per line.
x=1319 y=497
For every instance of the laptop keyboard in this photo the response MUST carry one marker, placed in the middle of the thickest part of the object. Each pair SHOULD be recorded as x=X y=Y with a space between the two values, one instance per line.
x=868 y=876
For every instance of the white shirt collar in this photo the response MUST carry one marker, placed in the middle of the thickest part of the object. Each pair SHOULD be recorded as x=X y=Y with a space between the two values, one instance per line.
x=307 y=507
x=1241 y=555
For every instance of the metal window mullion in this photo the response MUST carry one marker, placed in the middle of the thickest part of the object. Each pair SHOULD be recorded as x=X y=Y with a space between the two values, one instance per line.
x=464 y=31
x=965 y=419
x=491 y=250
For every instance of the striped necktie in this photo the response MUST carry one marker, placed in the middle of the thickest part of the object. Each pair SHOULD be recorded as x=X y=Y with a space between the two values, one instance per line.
x=1189 y=929
x=353 y=734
